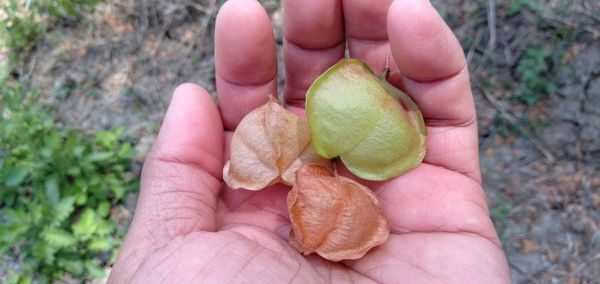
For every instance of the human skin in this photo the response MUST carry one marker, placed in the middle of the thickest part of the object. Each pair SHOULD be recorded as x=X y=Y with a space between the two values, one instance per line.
x=189 y=227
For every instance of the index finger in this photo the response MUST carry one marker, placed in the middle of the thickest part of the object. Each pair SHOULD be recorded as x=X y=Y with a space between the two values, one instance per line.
x=245 y=60
x=313 y=41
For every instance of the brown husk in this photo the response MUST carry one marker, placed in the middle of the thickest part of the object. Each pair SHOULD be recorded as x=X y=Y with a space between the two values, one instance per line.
x=267 y=147
x=334 y=216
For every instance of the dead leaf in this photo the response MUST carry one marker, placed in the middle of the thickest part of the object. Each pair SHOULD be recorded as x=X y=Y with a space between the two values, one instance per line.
x=267 y=147
x=334 y=216
x=529 y=246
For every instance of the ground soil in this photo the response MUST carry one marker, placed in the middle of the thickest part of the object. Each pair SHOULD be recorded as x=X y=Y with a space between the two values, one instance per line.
x=119 y=65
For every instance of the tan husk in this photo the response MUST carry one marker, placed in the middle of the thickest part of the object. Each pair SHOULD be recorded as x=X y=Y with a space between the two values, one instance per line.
x=334 y=216
x=267 y=147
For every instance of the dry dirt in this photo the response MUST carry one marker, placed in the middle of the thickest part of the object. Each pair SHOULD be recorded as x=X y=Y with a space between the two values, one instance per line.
x=120 y=64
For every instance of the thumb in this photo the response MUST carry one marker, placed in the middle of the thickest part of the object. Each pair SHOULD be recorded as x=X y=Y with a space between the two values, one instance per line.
x=182 y=173
x=181 y=178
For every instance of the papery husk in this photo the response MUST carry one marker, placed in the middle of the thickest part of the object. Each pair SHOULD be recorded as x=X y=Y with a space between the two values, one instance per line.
x=376 y=129
x=267 y=147
x=334 y=216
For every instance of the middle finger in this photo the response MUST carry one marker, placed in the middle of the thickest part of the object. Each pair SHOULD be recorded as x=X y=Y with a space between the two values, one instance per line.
x=313 y=41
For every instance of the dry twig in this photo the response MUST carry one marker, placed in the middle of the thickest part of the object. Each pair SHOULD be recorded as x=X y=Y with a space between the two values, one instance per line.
x=579 y=269
x=471 y=51
x=491 y=15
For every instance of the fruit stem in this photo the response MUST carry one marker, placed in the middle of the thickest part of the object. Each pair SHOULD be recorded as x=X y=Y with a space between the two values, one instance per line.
x=334 y=165
x=386 y=72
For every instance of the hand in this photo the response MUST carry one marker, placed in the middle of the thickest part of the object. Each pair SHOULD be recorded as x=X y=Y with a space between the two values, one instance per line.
x=188 y=228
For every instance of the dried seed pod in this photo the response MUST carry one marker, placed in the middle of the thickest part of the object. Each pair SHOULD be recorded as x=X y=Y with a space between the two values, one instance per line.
x=267 y=147
x=334 y=216
x=376 y=129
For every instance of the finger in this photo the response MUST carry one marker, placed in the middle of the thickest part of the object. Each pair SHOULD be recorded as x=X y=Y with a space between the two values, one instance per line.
x=433 y=66
x=181 y=176
x=366 y=29
x=423 y=45
x=432 y=62
x=182 y=173
x=245 y=60
x=313 y=41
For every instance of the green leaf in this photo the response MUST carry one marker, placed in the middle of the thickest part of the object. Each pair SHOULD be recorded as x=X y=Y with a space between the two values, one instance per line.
x=44 y=252
x=100 y=156
x=100 y=244
x=52 y=189
x=17 y=276
x=38 y=213
x=94 y=270
x=12 y=234
x=46 y=152
x=108 y=138
x=73 y=266
x=103 y=209
x=126 y=151
x=95 y=180
x=17 y=215
x=15 y=176
x=74 y=171
x=105 y=228
x=59 y=238
x=78 y=150
x=86 y=225
x=118 y=191
x=64 y=209
x=81 y=198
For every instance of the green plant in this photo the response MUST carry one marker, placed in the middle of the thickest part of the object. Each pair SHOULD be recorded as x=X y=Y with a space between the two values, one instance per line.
x=523 y=125
x=533 y=72
x=504 y=127
x=57 y=188
x=565 y=34
x=19 y=28
x=61 y=9
x=499 y=212
x=20 y=25
x=516 y=6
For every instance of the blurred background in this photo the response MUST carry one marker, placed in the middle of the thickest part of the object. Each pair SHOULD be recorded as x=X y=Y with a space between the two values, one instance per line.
x=84 y=85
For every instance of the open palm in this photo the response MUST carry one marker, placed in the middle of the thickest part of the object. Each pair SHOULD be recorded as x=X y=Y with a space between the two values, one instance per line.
x=189 y=228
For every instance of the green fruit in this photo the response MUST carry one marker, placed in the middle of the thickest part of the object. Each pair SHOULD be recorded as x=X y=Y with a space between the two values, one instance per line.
x=376 y=129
